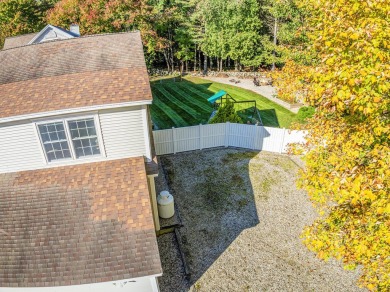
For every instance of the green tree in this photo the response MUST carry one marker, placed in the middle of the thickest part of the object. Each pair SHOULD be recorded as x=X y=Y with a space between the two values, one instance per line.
x=174 y=26
x=285 y=37
x=244 y=28
x=229 y=29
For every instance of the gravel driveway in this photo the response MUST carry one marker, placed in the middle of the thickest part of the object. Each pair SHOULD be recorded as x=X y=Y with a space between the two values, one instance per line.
x=242 y=217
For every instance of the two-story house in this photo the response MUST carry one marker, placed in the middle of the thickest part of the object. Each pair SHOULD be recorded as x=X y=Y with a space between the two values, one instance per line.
x=77 y=197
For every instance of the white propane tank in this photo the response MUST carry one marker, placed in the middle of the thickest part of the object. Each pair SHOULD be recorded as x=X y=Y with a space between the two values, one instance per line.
x=165 y=205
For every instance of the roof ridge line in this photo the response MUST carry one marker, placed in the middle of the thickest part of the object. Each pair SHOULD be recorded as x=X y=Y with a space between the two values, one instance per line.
x=75 y=38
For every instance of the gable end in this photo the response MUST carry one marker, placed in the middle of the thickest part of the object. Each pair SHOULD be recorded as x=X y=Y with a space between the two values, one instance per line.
x=51 y=33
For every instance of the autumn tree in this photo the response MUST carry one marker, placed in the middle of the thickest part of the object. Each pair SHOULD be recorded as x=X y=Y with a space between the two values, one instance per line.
x=347 y=152
x=106 y=16
x=22 y=16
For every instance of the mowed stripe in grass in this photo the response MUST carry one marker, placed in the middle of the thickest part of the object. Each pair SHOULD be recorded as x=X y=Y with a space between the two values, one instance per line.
x=190 y=97
x=174 y=107
x=163 y=116
x=185 y=103
x=169 y=116
x=186 y=112
x=201 y=93
x=159 y=117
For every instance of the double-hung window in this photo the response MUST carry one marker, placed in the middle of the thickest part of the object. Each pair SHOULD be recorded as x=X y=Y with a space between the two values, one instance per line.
x=54 y=141
x=69 y=139
x=84 y=137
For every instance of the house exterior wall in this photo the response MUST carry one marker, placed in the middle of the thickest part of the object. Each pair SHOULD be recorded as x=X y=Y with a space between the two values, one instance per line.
x=123 y=135
x=143 y=284
x=19 y=148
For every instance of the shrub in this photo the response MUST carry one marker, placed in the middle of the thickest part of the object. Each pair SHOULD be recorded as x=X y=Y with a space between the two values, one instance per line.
x=304 y=113
x=226 y=113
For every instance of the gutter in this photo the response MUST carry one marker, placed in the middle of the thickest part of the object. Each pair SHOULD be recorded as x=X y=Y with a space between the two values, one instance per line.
x=73 y=110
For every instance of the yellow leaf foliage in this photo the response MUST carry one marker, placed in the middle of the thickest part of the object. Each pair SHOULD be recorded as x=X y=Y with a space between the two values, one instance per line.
x=347 y=157
x=290 y=82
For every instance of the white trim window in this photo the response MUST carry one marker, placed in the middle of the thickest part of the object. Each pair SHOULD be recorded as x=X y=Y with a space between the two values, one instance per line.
x=84 y=137
x=55 y=143
x=72 y=138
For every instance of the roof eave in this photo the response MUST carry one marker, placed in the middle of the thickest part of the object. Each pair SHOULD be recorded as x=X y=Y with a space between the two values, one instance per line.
x=73 y=111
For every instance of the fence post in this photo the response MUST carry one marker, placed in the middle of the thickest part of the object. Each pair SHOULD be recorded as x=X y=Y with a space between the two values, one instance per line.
x=281 y=147
x=174 y=140
x=200 y=136
x=227 y=132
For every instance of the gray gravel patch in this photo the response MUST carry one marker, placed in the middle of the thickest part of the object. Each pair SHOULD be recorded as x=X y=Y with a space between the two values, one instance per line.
x=173 y=278
x=242 y=217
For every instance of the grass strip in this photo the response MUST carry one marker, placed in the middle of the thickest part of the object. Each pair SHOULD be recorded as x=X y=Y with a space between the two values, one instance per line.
x=176 y=118
x=171 y=98
x=186 y=112
x=160 y=118
x=199 y=90
x=195 y=102
x=201 y=96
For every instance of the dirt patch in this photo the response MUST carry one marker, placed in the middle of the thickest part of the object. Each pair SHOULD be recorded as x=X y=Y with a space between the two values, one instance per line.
x=242 y=217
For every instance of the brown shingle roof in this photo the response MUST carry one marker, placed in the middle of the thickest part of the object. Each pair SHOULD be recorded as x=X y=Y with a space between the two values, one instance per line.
x=92 y=70
x=18 y=41
x=73 y=91
x=76 y=224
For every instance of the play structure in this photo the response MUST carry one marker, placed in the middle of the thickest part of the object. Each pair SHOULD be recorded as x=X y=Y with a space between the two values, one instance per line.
x=245 y=108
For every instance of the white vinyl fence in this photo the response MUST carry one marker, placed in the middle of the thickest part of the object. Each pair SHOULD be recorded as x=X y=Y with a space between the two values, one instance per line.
x=216 y=135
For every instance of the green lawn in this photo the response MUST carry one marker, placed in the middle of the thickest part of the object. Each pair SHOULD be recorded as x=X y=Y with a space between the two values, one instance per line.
x=180 y=104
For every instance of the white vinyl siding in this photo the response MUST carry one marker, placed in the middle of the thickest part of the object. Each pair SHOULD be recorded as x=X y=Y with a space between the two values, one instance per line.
x=122 y=133
x=20 y=148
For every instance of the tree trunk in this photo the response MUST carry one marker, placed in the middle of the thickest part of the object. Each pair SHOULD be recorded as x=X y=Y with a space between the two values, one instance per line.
x=200 y=60
x=237 y=65
x=167 y=60
x=204 y=64
x=221 y=65
x=172 y=57
x=186 y=65
x=211 y=63
x=195 y=60
x=275 y=41
x=172 y=62
x=168 y=53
